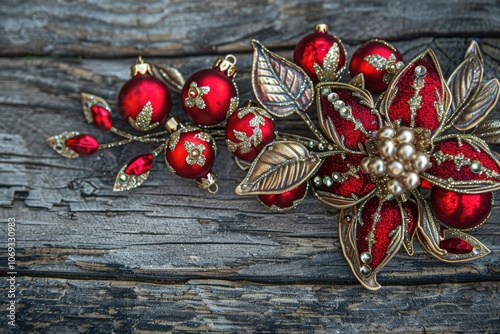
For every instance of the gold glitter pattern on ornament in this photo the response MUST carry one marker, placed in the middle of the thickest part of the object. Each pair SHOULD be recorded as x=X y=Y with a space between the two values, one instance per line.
x=194 y=96
x=142 y=121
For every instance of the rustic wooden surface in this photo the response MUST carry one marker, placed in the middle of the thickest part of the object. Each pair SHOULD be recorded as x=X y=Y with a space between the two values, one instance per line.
x=168 y=257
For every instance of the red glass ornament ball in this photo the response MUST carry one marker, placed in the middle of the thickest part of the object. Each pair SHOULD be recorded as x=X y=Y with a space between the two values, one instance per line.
x=313 y=49
x=248 y=131
x=190 y=153
x=286 y=200
x=140 y=90
x=208 y=96
x=378 y=61
x=460 y=211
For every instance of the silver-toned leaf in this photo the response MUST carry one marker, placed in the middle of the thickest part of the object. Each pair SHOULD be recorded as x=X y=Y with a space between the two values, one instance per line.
x=171 y=76
x=90 y=100
x=464 y=82
x=279 y=167
x=475 y=50
x=479 y=107
x=279 y=85
x=58 y=144
x=489 y=131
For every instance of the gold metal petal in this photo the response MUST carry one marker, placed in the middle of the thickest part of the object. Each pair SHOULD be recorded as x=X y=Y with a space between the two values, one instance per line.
x=489 y=131
x=279 y=167
x=336 y=201
x=428 y=229
x=358 y=81
x=125 y=181
x=58 y=144
x=89 y=100
x=171 y=76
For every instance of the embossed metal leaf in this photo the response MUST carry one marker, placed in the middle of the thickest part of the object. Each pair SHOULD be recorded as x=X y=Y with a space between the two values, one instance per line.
x=463 y=83
x=89 y=100
x=171 y=76
x=479 y=107
x=478 y=249
x=126 y=181
x=489 y=131
x=279 y=85
x=280 y=167
x=428 y=230
x=474 y=49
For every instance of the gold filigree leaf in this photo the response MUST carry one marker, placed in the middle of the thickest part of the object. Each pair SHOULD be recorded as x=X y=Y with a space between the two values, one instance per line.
x=464 y=82
x=358 y=81
x=428 y=230
x=328 y=72
x=279 y=167
x=279 y=85
x=475 y=50
x=125 y=181
x=478 y=249
x=489 y=131
x=171 y=76
x=482 y=103
x=88 y=101
x=58 y=144
x=142 y=121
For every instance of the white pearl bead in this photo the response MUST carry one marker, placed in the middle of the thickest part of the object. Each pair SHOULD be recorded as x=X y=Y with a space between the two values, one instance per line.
x=411 y=180
x=406 y=151
x=364 y=165
x=395 y=168
x=385 y=132
x=394 y=187
x=420 y=162
x=405 y=135
x=377 y=166
x=386 y=147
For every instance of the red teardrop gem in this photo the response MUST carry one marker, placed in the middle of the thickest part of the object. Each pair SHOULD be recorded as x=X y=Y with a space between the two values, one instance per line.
x=102 y=118
x=139 y=165
x=456 y=246
x=84 y=145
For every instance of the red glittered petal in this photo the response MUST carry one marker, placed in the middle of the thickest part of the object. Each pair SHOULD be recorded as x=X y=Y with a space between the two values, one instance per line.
x=379 y=231
x=352 y=130
x=418 y=95
x=463 y=163
x=342 y=182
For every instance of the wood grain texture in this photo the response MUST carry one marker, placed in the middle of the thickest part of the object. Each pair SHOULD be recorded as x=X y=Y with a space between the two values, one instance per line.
x=168 y=257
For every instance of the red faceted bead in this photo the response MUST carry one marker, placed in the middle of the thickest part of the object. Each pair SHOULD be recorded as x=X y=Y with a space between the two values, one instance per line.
x=190 y=153
x=139 y=165
x=102 y=117
x=460 y=211
x=286 y=200
x=209 y=95
x=248 y=130
x=146 y=97
x=84 y=145
x=378 y=61
x=456 y=246
x=313 y=49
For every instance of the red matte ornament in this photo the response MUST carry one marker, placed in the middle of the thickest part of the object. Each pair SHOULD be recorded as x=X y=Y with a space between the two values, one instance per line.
x=248 y=130
x=209 y=95
x=461 y=211
x=378 y=61
x=314 y=48
x=84 y=145
x=144 y=102
x=190 y=153
x=286 y=200
x=102 y=117
x=140 y=164
x=456 y=246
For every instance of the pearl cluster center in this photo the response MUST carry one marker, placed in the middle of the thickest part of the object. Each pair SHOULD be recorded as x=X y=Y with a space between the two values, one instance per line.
x=398 y=164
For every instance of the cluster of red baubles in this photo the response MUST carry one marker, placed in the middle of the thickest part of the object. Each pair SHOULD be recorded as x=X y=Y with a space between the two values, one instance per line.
x=209 y=98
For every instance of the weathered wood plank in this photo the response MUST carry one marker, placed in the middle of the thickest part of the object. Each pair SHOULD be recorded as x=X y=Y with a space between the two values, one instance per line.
x=70 y=306
x=110 y=29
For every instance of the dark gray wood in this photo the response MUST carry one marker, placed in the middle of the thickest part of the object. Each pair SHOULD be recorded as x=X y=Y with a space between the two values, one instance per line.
x=168 y=256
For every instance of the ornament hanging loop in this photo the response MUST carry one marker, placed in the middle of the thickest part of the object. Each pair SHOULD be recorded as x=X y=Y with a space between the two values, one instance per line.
x=209 y=183
x=226 y=65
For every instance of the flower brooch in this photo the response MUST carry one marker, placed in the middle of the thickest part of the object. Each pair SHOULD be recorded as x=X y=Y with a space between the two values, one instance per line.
x=413 y=162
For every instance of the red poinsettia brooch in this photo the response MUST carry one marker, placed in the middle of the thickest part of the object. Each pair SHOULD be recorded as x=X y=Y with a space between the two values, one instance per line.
x=414 y=162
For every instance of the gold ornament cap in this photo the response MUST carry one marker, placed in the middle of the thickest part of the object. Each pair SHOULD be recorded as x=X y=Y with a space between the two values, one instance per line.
x=173 y=124
x=140 y=68
x=321 y=28
x=226 y=65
